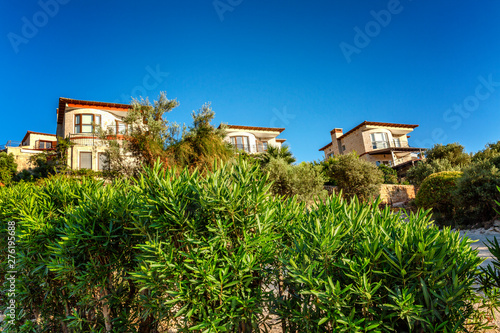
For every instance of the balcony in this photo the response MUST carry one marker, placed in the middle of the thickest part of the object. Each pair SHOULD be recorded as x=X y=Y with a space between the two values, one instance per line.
x=251 y=149
x=85 y=139
x=389 y=144
x=39 y=145
x=93 y=138
x=10 y=143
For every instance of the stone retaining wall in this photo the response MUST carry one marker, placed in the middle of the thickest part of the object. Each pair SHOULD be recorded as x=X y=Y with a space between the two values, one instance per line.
x=396 y=193
x=389 y=194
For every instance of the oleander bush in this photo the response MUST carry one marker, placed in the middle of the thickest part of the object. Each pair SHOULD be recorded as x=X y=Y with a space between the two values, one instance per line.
x=217 y=252
x=356 y=268
x=489 y=279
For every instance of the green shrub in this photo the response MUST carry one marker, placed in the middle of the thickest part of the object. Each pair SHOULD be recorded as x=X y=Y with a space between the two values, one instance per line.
x=355 y=176
x=8 y=168
x=489 y=278
x=131 y=257
x=390 y=175
x=206 y=252
x=304 y=180
x=476 y=191
x=355 y=268
x=437 y=192
x=490 y=151
x=452 y=152
x=211 y=266
x=417 y=174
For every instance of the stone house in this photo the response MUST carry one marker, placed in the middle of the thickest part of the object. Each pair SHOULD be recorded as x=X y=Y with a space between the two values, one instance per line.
x=376 y=142
x=33 y=143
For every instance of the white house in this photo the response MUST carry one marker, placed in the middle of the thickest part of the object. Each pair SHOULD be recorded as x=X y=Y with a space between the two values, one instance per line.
x=253 y=139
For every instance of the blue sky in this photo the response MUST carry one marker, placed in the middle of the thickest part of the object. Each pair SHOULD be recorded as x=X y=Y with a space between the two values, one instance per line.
x=306 y=66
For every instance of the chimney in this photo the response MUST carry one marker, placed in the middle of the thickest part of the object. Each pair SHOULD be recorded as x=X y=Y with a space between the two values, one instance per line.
x=336 y=133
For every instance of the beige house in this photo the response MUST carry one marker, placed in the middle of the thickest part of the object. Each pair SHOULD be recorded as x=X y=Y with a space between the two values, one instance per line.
x=33 y=143
x=379 y=143
x=79 y=121
x=253 y=139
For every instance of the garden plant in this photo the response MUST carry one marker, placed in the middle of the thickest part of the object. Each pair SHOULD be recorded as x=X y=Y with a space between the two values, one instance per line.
x=216 y=251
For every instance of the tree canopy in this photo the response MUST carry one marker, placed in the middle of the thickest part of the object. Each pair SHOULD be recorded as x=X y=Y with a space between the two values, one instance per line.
x=453 y=152
x=151 y=137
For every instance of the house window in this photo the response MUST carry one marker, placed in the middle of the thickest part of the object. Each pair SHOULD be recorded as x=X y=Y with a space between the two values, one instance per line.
x=343 y=147
x=103 y=162
x=261 y=146
x=241 y=142
x=379 y=140
x=120 y=127
x=397 y=142
x=44 y=145
x=85 y=160
x=84 y=123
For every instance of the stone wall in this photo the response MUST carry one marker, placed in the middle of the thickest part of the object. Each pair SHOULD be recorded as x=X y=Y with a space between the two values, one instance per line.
x=396 y=193
x=21 y=157
x=389 y=194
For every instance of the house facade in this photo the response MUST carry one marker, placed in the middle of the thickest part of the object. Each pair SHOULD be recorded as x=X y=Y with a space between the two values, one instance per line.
x=32 y=144
x=253 y=139
x=376 y=142
x=79 y=121
x=83 y=123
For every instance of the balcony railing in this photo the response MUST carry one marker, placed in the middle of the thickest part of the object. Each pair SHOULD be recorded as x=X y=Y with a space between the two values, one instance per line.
x=93 y=139
x=11 y=143
x=389 y=144
x=251 y=149
x=85 y=139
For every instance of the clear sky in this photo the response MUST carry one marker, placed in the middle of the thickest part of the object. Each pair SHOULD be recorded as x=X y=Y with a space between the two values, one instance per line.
x=308 y=66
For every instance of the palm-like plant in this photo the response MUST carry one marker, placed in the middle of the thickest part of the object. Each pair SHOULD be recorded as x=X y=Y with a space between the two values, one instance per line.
x=282 y=152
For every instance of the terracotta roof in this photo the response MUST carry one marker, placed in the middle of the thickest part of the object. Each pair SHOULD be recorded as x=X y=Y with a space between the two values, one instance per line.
x=280 y=140
x=68 y=102
x=374 y=123
x=328 y=145
x=31 y=132
x=255 y=128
